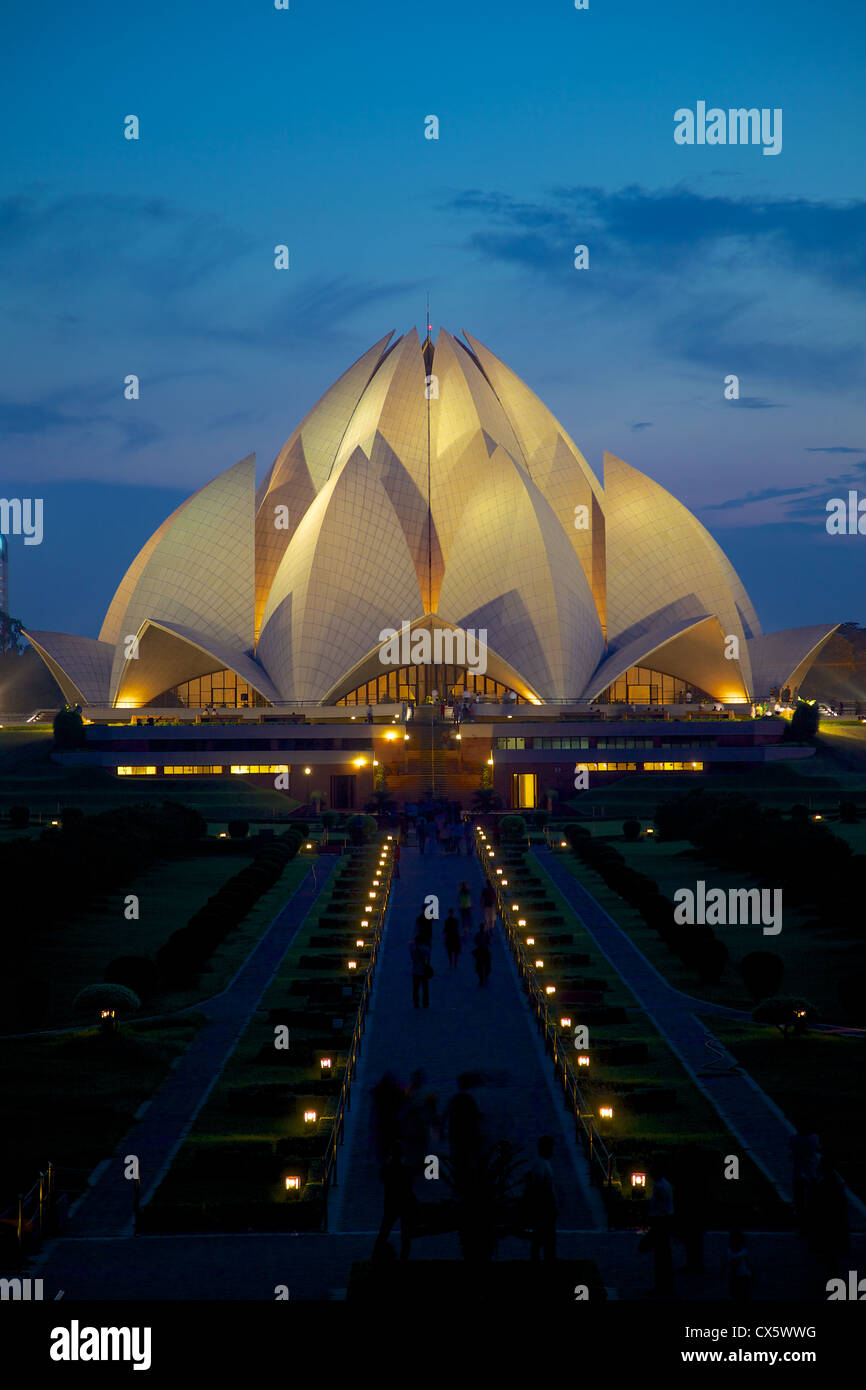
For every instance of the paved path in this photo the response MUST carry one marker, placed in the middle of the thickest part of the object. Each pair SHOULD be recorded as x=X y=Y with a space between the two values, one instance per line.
x=106 y=1208
x=758 y=1124
x=487 y=1030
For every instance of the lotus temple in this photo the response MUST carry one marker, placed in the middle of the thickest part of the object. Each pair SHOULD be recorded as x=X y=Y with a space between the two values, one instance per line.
x=429 y=490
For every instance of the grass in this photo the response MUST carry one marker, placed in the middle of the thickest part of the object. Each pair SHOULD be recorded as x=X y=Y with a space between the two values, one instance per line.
x=256 y=1062
x=70 y=1099
x=693 y=1121
x=817 y=1075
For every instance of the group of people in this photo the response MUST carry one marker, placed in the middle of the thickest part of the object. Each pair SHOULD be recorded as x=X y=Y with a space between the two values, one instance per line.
x=455 y=934
x=444 y=829
x=409 y=1127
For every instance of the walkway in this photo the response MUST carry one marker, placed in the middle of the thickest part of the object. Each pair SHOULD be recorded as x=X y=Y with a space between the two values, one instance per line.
x=760 y=1127
x=106 y=1209
x=489 y=1031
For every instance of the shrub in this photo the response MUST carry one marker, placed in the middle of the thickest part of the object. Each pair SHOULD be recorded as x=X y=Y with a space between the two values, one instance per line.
x=238 y=829
x=631 y=829
x=93 y=998
x=19 y=817
x=361 y=829
x=762 y=973
x=68 y=729
x=788 y=1014
x=329 y=819
x=512 y=828
x=137 y=973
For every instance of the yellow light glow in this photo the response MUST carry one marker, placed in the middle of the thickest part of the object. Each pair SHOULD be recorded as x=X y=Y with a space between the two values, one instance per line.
x=565 y=1023
x=563 y=844
x=325 y=1063
x=310 y=1117
x=521 y=921
x=638 y=1179
x=360 y=943
x=515 y=907
x=390 y=736
x=550 y=989
x=505 y=883
x=530 y=941
x=583 y=1060
x=307 y=771
x=353 y=965
x=359 y=762
x=606 y=1112
x=293 y=1184
x=539 y=965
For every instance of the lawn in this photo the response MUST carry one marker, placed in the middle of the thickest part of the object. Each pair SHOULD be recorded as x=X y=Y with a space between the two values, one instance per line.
x=817 y=1075
x=676 y=864
x=70 y=1098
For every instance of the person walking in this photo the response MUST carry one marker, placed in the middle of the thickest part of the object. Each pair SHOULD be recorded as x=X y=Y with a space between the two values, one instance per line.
x=488 y=905
x=421 y=832
x=540 y=1198
x=452 y=939
x=481 y=955
x=424 y=929
x=400 y=1202
x=464 y=902
x=739 y=1273
x=661 y=1210
x=421 y=972
x=467 y=834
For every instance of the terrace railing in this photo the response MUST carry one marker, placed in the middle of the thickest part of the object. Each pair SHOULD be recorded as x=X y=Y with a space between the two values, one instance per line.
x=602 y=1162
x=337 y=1135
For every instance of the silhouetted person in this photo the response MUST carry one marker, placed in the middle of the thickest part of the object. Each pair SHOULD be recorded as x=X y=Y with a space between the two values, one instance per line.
x=488 y=905
x=424 y=929
x=369 y=714
x=739 y=1271
x=400 y=1201
x=420 y=953
x=661 y=1210
x=805 y=1153
x=481 y=955
x=421 y=831
x=463 y=1120
x=388 y=1098
x=828 y=1215
x=464 y=902
x=540 y=1197
x=452 y=938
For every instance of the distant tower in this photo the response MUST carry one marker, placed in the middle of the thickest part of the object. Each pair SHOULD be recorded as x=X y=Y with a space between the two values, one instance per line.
x=4 y=574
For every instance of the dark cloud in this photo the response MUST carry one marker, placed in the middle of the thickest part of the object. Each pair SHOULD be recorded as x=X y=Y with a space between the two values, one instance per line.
x=835 y=449
x=641 y=425
x=763 y=496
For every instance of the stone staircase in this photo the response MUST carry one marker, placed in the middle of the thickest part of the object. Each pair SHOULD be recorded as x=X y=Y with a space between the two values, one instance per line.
x=433 y=768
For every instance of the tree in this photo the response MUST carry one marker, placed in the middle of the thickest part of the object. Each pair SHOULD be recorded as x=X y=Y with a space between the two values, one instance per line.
x=11 y=635
x=238 y=829
x=804 y=722
x=485 y=799
x=789 y=1015
x=107 y=1002
x=631 y=829
x=69 y=728
x=762 y=973
x=512 y=828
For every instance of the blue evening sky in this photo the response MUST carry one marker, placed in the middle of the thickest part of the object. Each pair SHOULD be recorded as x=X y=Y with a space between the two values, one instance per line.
x=306 y=126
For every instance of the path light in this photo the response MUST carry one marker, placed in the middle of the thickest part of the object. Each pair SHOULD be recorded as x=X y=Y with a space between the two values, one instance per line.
x=563 y=844
x=224 y=834
x=309 y=846
x=309 y=1117
x=539 y=965
x=515 y=907
x=505 y=883
x=521 y=921
x=583 y=1061
x=371 y=894
x=638 y=1179
x=530 y=941
x=360 y=943
x=499 y=871
x=550 y=989
x=649 y=830
x=293 y=1184
x=353 y=965
x=606 y=1112
x=325 y=1064
x=565 y=1023
x=365 y=922
x=405 y=740
x=390 y=837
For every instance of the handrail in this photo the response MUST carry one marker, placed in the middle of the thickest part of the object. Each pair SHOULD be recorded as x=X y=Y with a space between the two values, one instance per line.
x=329 y=1163
x=602 y=1162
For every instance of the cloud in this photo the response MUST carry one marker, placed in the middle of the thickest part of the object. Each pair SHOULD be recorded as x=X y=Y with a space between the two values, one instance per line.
x=835 y=449
x=641 y=425
x=763 y=496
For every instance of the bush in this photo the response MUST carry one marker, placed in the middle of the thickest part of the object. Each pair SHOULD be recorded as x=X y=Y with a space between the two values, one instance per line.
x=512 y=828
x=19 y=817
x=68 y=729
x=762 y=973
x=238 y=829
x=360 y=829
x=329 y=819
x=788 y=1014
x=804 y=722
x=631 y=829
x=137 y=973
x=94 y=998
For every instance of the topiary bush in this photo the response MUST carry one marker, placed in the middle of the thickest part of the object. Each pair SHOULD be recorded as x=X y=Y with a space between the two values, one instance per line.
x=789 y=1014
x=512 y=828
x=238 y=829
x=631 y=830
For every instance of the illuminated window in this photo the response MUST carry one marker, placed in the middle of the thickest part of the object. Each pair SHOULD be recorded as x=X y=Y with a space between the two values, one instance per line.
x=136 y=772
x=186 y=770
x=259 y=767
